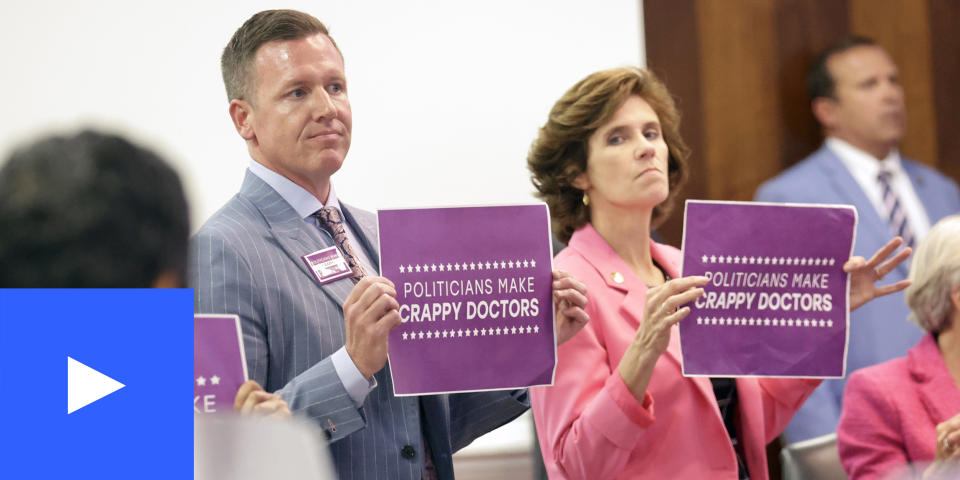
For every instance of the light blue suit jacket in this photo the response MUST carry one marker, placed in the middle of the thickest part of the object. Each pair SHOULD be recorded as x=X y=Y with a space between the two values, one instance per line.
x=879 y=330
x=247 y=261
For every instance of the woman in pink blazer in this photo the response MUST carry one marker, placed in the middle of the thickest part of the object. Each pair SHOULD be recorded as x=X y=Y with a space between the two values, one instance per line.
x=903 y=416
x=609 y=162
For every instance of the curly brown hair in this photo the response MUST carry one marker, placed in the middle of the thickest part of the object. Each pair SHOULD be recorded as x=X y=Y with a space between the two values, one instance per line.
x=559 y=154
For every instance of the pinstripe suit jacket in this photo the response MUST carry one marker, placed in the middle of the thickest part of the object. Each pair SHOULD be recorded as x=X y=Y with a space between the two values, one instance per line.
x=879 y=330
x=247 y=261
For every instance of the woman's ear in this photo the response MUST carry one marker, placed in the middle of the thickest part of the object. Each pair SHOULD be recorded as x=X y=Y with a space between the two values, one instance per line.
x=581 y=182
x=955 y=298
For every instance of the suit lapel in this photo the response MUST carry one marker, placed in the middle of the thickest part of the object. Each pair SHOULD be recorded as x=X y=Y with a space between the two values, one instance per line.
x=294 y=236
x=850 y=192
x=599 y=253
x=931 y=200
x=874 y=231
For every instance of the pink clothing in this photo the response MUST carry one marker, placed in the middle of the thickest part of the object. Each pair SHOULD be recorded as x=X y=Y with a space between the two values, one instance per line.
x=590 y=425
x=891 y=411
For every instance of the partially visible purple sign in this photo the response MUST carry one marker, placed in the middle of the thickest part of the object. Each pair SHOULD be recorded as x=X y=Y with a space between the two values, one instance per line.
x=219 y=365
x=776 y=304
x=474 y=287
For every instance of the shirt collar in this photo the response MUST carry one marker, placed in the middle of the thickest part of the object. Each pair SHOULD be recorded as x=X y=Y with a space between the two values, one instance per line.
x=858 y=160
x=302 y=201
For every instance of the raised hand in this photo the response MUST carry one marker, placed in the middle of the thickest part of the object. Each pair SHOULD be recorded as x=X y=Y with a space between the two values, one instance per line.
x=864 y=274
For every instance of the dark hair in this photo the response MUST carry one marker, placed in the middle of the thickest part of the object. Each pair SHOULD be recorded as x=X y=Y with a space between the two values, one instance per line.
x=261 y=28
x=559 y=154
x=820 y=83
x=91 y=210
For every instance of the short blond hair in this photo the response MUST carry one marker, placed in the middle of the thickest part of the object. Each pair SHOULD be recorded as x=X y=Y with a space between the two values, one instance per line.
x=934 y=273
x=264 y=27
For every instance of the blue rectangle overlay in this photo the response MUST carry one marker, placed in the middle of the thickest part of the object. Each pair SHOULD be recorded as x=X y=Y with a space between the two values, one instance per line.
x=142 y=338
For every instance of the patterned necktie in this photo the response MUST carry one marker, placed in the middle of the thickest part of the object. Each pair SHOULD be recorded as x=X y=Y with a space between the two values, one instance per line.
x=332 y=222
x=896 y=216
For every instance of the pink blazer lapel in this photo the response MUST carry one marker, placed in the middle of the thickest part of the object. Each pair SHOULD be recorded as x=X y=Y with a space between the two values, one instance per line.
x=598 y=253
x=938 y=392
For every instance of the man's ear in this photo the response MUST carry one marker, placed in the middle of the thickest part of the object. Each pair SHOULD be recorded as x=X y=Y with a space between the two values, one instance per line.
x=824 y=109
x=241 y=112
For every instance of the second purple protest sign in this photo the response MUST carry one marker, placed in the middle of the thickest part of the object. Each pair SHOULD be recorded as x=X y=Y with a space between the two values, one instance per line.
x=219 y=364
x=474 y=287
x=776 y=303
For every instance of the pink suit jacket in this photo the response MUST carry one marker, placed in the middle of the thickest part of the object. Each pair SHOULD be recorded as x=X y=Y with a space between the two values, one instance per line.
x=891 y=411
x=591 y=427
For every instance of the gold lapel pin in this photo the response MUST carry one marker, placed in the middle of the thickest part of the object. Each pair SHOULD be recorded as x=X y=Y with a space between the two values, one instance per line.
x=617 y=277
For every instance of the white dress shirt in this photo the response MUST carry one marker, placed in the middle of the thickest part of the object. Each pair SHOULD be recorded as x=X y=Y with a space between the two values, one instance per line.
x=305 y=204
x=865 y=168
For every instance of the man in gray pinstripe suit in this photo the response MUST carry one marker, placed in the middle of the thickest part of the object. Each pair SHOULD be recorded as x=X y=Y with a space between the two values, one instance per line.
x=323 y=347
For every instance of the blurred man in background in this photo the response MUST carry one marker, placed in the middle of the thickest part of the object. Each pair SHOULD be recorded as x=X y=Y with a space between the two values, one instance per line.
x=855 y=94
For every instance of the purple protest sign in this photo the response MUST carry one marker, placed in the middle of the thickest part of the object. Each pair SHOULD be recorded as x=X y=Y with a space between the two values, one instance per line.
x=474 y=287
x=219 y=364
x=776 y=303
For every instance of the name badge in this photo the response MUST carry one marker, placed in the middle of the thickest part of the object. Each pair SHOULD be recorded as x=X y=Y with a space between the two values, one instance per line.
x=327 y=265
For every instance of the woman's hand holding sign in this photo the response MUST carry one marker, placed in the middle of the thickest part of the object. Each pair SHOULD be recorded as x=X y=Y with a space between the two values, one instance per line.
x=661 y=312
x=570 y=300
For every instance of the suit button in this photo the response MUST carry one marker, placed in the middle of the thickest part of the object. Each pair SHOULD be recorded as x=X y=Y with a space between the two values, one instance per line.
x=408 y=452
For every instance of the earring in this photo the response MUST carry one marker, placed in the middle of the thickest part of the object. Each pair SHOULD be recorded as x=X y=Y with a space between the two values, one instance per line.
x=586 y=199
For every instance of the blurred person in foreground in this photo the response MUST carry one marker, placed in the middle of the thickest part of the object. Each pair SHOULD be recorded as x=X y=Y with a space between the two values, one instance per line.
x=855 y=94
x=609 y=162
x=93 y=210
x=903 y=415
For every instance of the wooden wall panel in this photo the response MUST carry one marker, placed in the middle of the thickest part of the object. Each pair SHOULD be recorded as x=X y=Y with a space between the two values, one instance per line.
x=804 y=28
x=674 y=56
x=902 y=27
x=945 y=59
x=738 y=88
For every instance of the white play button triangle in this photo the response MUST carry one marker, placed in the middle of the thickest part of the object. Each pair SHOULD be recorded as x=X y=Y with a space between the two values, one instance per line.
x=86 y=385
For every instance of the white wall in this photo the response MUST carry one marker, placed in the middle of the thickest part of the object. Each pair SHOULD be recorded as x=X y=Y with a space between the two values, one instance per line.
x=446 y=95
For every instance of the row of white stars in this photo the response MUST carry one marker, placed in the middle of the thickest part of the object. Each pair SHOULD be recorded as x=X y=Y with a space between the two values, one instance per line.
x=202 y=381
x=765 y=322
x=451 y=267
x=767 y=260
x=466 y=332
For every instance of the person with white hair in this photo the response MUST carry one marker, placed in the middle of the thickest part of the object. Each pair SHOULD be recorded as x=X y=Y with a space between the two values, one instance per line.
x=903 y=416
